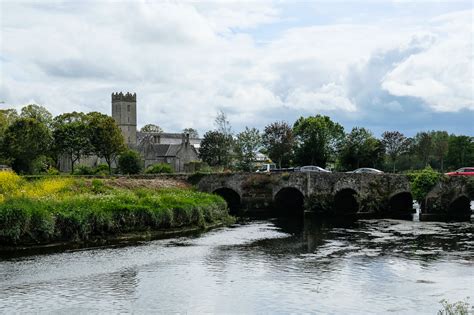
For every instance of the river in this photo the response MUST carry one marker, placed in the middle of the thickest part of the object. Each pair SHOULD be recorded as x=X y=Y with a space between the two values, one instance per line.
x=372 y=266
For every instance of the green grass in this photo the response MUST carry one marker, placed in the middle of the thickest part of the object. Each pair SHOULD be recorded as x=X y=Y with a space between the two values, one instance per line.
x=85 y=209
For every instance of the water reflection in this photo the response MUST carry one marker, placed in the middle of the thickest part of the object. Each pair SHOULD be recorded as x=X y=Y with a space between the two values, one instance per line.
x=278 y=266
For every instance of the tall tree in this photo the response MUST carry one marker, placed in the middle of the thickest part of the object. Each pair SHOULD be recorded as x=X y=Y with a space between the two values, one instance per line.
x=71 y=136
x=423 y=145
x=151 y=128
x=360 y=149
x=105 y=136
x=278 y=141
x=222 y=124
x=192 y=132
x=395 y=144
x=440 y=146
x=37 y=112
x=247 y=144
x=214 y=149
x=460 y=152
x=25 y=140
x=317 y=139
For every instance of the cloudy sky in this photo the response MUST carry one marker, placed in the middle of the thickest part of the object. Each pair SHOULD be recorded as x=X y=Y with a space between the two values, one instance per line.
x=384 y=65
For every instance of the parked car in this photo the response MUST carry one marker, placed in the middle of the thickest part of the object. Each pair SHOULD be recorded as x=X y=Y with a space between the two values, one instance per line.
x=366 y=170
x=464 y=171
x=311 y=168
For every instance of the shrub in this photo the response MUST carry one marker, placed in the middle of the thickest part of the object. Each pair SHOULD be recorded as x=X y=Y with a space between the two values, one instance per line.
x=423 y=181
x=101 y=170
x=159 y=169
x=83 y=170
x=9 y=182
x=130 y=162
x=41 y=164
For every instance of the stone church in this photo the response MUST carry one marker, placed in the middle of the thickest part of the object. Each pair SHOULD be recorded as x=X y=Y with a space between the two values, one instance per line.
x=175 y=149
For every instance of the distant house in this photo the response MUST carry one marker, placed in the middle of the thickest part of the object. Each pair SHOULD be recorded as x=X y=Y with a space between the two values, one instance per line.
x=176 y=155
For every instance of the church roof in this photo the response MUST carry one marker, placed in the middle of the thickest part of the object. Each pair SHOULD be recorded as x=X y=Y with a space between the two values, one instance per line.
x=166 y=150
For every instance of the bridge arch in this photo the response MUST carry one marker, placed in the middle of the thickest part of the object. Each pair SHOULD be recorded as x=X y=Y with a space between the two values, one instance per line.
x=345 y=201
x=231 y=197
x=289 y=201
x=401 y=202
x=459 y=207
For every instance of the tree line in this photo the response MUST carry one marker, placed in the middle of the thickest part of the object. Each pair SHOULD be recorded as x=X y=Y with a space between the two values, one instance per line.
x=33 y=140
x=317 y=140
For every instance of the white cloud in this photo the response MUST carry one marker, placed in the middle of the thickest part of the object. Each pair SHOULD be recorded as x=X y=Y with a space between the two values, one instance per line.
x=441 y=74
x=187 y=60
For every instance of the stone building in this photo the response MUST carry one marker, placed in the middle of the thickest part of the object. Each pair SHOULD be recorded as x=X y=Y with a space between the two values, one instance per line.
x=176 y=149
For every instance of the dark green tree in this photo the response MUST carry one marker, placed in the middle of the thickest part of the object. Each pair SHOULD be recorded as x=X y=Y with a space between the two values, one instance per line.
x=214 y=149
x=25 y=140
x=7 y=117
x=460 y=152
x=278 y=142
x=130 y=162
x=37 y=112
x=440 y=146
x=71 y=136
x=317 y=140
x=247 y=145
x=423 y=145
x=360 y=149
x=105 y=136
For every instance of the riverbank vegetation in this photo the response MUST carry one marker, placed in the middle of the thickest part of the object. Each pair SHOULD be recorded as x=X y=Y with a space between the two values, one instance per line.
x=72 y=209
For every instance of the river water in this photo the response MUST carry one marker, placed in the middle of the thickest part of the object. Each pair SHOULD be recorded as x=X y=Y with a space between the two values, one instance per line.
x=373 y=266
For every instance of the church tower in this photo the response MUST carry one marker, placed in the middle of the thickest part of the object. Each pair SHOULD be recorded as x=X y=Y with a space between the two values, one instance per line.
x=124 y=111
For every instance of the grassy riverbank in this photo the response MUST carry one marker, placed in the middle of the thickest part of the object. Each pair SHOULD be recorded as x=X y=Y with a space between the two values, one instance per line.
x=70 y=209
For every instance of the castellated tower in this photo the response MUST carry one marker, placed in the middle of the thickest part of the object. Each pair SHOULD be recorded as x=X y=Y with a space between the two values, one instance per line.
x=124 y=111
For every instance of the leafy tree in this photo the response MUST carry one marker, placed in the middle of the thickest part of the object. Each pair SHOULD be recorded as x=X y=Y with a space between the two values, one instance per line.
x=130 y=162
x=247 y=144
x=440 y=146
x=151 y=128
x=37 y=112
x=214 y=149
x=278 y=141
x=360 y=149
x=423 y=145
x=317 y=140
x=25 y=140
x=71 y=136
x=105 y=136
x=395 y=144
x=192 y=132
x=460 y=152
x=7 y=117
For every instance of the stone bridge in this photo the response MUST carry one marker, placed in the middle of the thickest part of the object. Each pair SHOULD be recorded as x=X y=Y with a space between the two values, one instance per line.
x=450 y=199
x=332 y=194
x=362 y=195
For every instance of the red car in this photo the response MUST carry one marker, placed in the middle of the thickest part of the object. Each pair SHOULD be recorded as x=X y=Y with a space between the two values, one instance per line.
x=465 y=171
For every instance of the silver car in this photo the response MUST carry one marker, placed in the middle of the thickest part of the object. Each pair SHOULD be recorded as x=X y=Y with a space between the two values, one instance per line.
x=367 y=170
x=311 y=168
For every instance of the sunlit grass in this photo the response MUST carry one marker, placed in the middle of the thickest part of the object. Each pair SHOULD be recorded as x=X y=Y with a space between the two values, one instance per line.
x=76 y=209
